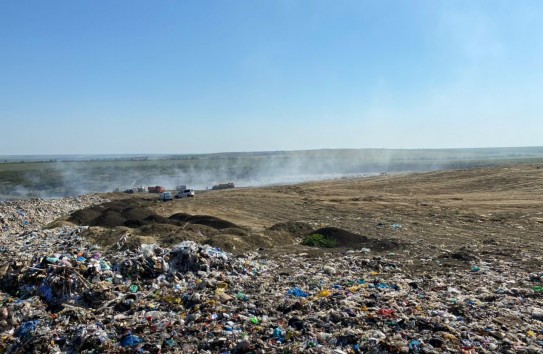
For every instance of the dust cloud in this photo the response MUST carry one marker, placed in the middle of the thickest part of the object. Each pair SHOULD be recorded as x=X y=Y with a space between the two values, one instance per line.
x=59 y=177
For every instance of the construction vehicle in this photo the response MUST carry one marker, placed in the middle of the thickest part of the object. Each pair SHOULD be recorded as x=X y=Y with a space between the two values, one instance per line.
x=156 y=189
x=223 y=186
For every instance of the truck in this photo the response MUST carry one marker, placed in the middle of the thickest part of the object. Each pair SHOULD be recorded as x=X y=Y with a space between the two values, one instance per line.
x=156 y=189
x=223 y=186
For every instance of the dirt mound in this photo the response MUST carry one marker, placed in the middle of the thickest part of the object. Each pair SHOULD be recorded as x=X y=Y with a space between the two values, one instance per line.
x=157 y=219
x=85 y=216
x=342 y=237
x=146 y=219
x=119 y=213
x=109 y=219
x=296 y=228
x=151 y=220
x=211 y=221
x=173 y=239
x=136 y=213
x=180 y=216
x=58 y=223
x=110 y=214
x=134 y=224
x=229 y=243
x=349 y=239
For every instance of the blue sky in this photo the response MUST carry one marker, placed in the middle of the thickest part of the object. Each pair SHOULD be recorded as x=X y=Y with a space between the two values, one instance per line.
x=126 y=76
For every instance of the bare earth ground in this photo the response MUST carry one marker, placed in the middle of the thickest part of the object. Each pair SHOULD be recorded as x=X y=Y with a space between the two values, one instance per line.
x=435 y=220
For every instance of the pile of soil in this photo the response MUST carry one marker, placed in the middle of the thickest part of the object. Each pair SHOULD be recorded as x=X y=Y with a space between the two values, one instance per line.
x=180 y=216
x=211 y=221
x=109 y=219
x=158 y=219
x=84 y=216
x=110 y=214
x=342 y=237
x=296 y=228
x=217 y=231
x=137 y=213
x=349 y=239
x=120 y=213
x=206 y=220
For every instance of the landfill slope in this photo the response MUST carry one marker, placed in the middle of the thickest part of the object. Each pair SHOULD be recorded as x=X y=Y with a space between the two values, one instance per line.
x=441 y=262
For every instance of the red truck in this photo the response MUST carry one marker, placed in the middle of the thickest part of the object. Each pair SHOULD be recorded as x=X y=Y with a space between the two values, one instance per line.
x=156 y=189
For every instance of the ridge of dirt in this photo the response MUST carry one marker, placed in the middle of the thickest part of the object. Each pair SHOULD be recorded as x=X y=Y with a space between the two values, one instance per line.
x=349 y=239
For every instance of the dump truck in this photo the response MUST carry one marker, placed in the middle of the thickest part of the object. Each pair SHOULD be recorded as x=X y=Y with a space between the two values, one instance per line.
x=156 y=189
x=223 y=186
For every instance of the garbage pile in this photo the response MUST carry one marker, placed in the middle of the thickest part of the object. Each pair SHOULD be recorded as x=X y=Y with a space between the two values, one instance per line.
x=58 y=293
x=23 y=215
